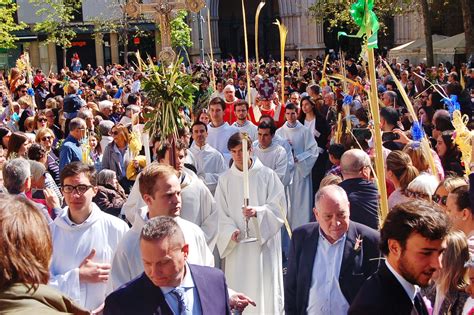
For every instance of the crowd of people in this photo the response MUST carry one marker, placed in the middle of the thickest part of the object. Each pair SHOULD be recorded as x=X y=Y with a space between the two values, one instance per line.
x=89 y=226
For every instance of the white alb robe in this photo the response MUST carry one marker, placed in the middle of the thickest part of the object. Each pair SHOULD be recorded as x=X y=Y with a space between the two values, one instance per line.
x=306 y=151
x=74 y=242
x=275 y=158
x=217 y=137
x=197 y=205
x=253 y=268
x=249 y=128
x=210 y=164
x=127 y=262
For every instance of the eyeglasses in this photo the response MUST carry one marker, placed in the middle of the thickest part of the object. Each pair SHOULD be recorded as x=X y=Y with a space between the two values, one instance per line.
x=47 y=138
x=43 y=120
x=440 y=199
x=80 y=189
x=416 y=194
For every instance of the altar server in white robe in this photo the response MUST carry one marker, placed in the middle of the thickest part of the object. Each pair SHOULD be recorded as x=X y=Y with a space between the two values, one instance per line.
x=210 y=163
x=161 y=190
x=198 y=203
x=84 y=240
x=241 y=110
x=219 y=131
x=305 y=151
x=272 y=155
x=254 y=268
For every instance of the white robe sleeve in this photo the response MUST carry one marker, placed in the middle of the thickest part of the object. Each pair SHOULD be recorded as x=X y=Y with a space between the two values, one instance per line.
x=68 y=283
x=226 y=224
x=270 y=216
x=209 y=216
x=218 y=164
x=120 y=272
x=307 y=158
x=281 y=164
x=133 y=203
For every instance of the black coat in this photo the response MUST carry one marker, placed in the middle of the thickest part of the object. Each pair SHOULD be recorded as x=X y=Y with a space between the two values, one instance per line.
x=382 y=294
x=357 y=264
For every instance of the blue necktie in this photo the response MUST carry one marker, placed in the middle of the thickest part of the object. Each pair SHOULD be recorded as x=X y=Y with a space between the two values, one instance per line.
x=178 y=293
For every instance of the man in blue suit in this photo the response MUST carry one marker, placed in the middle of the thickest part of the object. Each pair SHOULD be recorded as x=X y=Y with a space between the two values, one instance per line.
x=169 y=286
x=329 y=260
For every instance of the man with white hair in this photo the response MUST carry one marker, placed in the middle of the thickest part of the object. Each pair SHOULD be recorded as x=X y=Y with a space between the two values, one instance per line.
x=329 y=260
x=363 y=194
x=106 y=109
x=105 y=127
x=230 y=99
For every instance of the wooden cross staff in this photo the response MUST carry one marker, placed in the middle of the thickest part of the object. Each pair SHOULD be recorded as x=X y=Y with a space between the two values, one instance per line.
x=163 y=10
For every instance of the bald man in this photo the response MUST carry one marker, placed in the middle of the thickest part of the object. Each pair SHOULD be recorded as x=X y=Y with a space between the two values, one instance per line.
x=329 y=260
x=362 y=193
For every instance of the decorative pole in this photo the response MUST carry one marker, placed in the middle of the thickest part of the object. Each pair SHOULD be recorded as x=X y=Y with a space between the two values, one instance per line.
x=211 y=50
x=283 y=30
x=257 y=15
x=247 y=71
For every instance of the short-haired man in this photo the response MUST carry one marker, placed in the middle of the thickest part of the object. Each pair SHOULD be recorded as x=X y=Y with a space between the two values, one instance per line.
x=305 y=151
x=84 y=239
x=160 y=188
x=363 y=194
x=241 y=92
x=255 y=268
x=329 y=260
x=17 y=180
x=241 y=110
x=219 y=131
x=71 y=149
x=198 y=202
x=210 y=163
x=412 y=240
x=170 y=283
x=271 y=154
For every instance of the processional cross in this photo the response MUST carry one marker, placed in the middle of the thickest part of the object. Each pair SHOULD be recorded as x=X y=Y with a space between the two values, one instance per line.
x=163 y=11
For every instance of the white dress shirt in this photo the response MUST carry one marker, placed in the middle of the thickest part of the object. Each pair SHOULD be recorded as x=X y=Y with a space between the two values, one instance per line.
x=325 y=295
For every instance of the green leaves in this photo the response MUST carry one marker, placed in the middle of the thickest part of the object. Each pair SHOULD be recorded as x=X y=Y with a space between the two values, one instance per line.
x=167 y=90
x=55 y=18
x=180 y=31
x=7 y=24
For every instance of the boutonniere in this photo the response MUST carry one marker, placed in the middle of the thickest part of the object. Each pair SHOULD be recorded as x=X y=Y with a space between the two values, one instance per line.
x=358 y=243
x=471 y=312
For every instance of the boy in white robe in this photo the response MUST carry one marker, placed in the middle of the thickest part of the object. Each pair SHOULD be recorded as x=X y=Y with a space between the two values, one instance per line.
x=198 y=202
x=210 y=163
x=254 y=268
x=305 y=151
x=219 y=131
x=161 y=190
x=84 y=240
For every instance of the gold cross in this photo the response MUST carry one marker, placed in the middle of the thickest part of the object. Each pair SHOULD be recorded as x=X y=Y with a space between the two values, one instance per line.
x=163 y=10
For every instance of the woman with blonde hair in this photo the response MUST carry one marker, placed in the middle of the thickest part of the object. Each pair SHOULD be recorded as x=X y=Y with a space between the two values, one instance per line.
x=447 y=295
x=117 y=155
x=400 y=172
x=25 y=256
x=46 y=138
x=445 y=187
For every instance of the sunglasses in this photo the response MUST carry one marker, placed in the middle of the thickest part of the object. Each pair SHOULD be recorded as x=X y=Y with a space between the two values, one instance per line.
x=440 y=200
x=43 y=120
x=115 y=133
x=46 y=138
x=23 y=91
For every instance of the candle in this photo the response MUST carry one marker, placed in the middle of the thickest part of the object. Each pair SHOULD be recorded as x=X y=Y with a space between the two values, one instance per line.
x=245 y=168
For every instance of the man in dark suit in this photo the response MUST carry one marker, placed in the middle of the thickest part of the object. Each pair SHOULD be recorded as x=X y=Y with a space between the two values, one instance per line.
x=329 y=260
x=169 y=285
x=362 y=193
x=412 y=241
